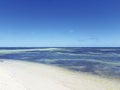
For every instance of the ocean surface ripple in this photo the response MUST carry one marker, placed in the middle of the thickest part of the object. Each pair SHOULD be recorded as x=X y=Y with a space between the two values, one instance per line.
x=100 y=61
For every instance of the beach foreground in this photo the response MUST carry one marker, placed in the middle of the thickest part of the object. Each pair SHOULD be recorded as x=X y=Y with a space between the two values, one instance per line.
x=21 y=75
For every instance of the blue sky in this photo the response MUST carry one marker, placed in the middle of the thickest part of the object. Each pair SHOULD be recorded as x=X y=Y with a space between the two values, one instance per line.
x=60 y=23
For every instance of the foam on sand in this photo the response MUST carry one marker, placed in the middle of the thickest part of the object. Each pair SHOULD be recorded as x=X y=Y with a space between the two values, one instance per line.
x=20 y=75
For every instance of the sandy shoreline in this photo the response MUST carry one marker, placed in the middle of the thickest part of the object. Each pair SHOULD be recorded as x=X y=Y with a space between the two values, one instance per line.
x=20 y=75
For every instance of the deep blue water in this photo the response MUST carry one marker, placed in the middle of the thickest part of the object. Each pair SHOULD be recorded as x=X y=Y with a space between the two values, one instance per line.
x=96 y=60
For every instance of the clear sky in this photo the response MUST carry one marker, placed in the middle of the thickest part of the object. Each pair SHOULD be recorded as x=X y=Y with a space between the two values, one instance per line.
x=47 y=23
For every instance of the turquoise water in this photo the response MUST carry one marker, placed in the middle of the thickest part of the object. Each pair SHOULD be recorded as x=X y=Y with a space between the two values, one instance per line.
x=96 y=60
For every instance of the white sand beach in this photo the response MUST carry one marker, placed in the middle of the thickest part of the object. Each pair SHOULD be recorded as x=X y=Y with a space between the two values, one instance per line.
x=22 y=75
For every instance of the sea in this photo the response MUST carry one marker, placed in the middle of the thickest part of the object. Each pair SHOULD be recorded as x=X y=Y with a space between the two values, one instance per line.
x=102 y=61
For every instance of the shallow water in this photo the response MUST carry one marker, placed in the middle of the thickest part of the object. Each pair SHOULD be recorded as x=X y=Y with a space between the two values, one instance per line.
x=99 y=61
